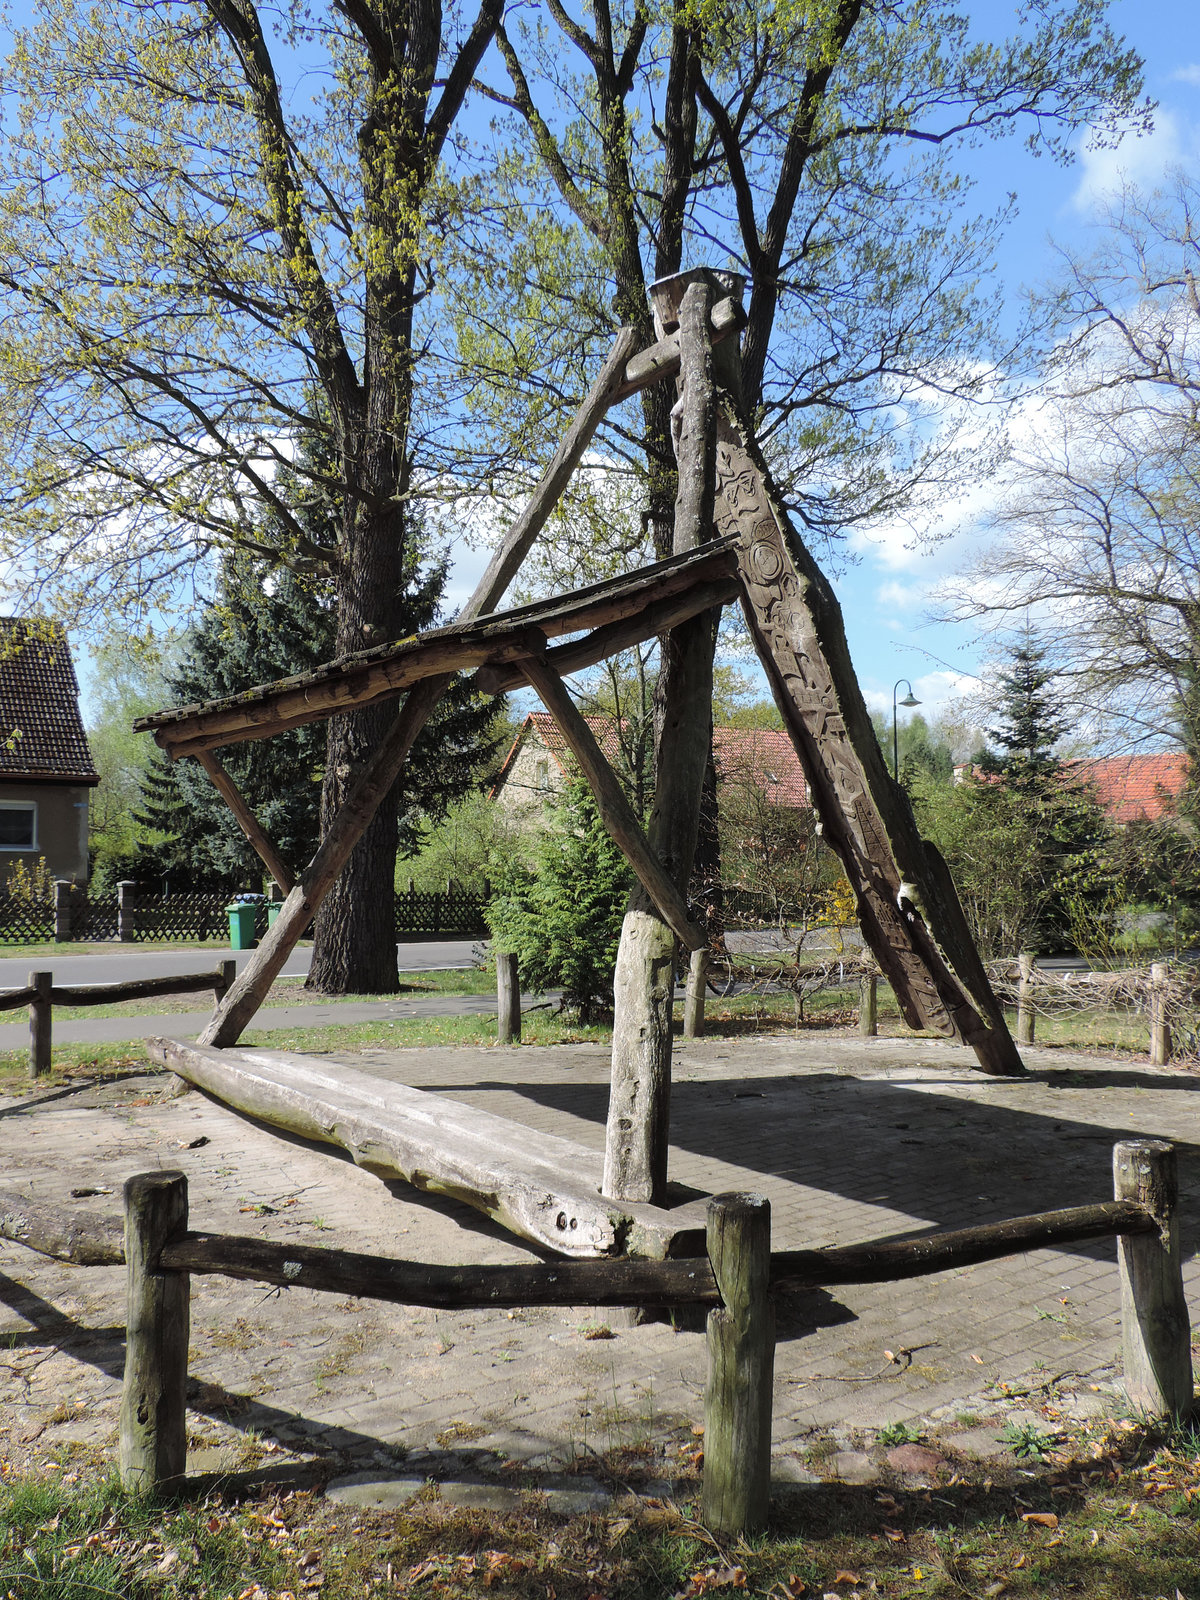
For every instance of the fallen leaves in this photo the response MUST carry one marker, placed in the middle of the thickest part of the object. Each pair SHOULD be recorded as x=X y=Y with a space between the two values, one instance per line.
x=1040 y=1519
x=710 y=1578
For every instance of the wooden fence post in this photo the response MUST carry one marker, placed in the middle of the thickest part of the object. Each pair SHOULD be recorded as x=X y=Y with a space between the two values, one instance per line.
x=868 y=1006
x=225 y=982
x=1160 y=1027
x=508 y=998
x=1155 y=1328
x=693 y=998
x=65 y=903
x=741 y=1367
x=153 y=1432
x=1025 y=998
x=126 y=910
x=40 y=1024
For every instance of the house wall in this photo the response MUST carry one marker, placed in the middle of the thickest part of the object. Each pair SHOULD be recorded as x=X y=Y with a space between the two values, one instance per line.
x=62 y=829
x=534 y=778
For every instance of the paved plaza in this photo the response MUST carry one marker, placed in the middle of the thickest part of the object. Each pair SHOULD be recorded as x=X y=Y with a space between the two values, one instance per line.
x=850 y=1140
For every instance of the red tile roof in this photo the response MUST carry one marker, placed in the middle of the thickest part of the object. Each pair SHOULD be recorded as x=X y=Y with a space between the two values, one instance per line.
x=1135 y=788
x=41 y=731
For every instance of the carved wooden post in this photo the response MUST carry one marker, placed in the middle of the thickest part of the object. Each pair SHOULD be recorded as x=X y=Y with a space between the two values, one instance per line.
x=508 y=998
x=154 y=1396
x=868 y=1006
x=693 y=1000
x=1160 y=1027
x=635 y=1150
x=741 y=1367
x=1155 y=1327
x=40 y=1024
x=1025 y=998
x=126 y=910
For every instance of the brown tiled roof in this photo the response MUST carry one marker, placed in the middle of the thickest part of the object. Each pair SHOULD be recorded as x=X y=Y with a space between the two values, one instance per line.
x=41 y=731
x=765 y=753
x=1135 y=788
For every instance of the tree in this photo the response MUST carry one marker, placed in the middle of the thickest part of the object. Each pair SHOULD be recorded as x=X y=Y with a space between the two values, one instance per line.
x=563 y=917
x=195 y=245
x=129 y=682
x=259 y=629
x=1099 y=529
x=1027 y=844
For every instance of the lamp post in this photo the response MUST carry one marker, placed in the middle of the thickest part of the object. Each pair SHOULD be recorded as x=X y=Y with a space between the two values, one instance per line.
x=910 y=699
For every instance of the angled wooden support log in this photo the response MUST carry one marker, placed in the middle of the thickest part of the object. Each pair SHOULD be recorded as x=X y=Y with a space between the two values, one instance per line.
x=907 y=905
x=247 y=821
x=1156 y=1333
x=662 y=360
x=615 y=810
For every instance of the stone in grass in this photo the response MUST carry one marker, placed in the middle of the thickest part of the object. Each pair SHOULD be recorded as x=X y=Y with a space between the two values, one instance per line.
x=916 y=1460
x=849 y=1466
x=370 y=1492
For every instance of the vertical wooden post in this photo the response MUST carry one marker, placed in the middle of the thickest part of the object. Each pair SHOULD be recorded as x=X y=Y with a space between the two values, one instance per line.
x=741 y=1367
x=1025 y=998
x=153 y=1430
x=1155 y=1328
x=868 y=1006
x=126 y=910
x=1160 y=1027
x=693 y=999
x=40 y=1024
x=225 y=982
x=508 y=998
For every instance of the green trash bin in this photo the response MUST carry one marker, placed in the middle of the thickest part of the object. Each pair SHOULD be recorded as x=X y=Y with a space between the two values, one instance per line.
x=241 y=924
x=274 y=907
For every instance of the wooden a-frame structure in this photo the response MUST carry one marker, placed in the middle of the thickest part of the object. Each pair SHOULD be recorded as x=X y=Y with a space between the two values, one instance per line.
x=748 y=550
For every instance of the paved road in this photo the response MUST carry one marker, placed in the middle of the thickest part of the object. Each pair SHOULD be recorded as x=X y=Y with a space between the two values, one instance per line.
x=144 y=961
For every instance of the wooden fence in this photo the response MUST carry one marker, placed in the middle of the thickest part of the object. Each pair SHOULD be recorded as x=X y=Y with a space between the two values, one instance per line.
x=42 y=995
x=737 y=1279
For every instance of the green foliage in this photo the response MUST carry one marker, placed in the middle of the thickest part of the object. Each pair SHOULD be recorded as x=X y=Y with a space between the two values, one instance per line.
x=562 y=917
x=471 y=844
x=130 y=681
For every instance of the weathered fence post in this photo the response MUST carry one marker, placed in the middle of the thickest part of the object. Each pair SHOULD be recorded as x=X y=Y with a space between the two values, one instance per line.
x=126 y=910
x=508 y=998
x=868 y=1006
x=1160 y=1027
x=154 y=1396
x=1025 y=998
x=40 y=1024
x=225 y=982
x=741 y=1366
x=693 y=996
x=66 y=902
x=1155 y=1328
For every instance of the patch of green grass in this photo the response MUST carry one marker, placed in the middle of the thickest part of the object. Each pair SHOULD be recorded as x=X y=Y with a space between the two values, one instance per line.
x=1117 y=1523
x=71 y=1061
x=899 y=1433
x=1027 y=1441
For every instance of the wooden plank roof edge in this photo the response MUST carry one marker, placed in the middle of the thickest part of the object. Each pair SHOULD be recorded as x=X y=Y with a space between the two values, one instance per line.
x=560 y=610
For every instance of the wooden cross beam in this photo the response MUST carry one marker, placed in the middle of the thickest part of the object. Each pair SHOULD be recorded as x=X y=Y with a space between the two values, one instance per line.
x=247 y=821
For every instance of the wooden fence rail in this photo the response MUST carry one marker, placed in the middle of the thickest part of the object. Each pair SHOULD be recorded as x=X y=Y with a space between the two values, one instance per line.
x=736 y=1278
x=42 y=994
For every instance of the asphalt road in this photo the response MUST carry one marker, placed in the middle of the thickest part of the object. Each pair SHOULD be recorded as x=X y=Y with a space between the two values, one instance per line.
x=144 y=961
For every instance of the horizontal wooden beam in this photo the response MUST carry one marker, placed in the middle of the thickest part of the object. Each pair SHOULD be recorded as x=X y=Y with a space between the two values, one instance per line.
x=541 y=1187
x=661 y=361
x=62 y=1232
x=103 y=994
x=657 y=617
x=388 y=670
x=615 y=811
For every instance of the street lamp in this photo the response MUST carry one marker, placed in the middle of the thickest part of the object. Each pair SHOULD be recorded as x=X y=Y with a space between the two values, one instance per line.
x=910 y=699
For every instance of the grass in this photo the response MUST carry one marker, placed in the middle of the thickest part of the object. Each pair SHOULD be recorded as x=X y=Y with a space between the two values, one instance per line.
x=1117 y=1518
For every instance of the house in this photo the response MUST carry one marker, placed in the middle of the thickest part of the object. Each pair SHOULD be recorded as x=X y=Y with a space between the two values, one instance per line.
x=46 y=768
x=536 y=767
x=1137 y=788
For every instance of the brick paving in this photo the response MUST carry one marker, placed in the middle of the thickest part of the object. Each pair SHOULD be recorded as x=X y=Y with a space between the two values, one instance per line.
x=850 y=1139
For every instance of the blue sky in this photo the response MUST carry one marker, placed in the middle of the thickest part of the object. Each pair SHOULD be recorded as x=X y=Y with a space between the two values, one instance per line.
x=888 y=593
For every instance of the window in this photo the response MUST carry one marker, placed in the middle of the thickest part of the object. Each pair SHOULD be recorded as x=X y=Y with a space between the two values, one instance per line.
x=543 y=774
x=18 y=825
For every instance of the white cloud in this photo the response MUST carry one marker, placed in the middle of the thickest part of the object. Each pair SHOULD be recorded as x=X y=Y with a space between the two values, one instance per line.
x=1141 y=160
x=1189 y=74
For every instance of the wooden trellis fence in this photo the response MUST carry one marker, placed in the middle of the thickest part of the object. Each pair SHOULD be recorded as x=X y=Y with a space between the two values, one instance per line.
x=736 y=1278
